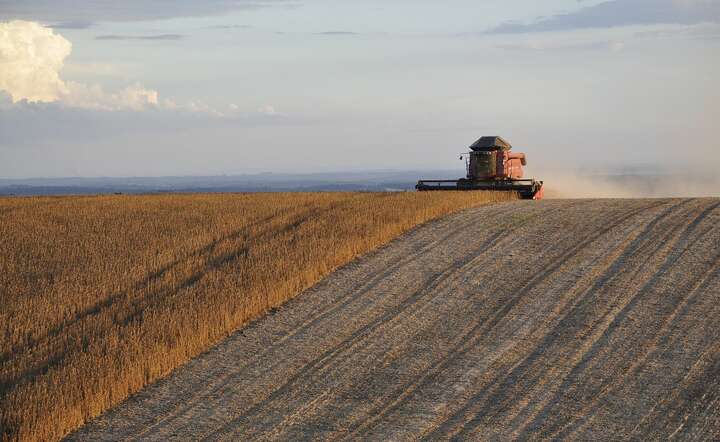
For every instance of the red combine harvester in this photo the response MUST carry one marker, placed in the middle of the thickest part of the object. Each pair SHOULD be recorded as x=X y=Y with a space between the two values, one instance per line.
x=491 y=166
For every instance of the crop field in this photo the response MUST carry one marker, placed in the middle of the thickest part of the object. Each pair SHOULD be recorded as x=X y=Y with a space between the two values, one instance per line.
x=586 y=320
x=100 y=296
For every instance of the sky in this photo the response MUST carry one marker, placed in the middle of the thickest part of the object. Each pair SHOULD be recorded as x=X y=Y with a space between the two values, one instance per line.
x=185 y=87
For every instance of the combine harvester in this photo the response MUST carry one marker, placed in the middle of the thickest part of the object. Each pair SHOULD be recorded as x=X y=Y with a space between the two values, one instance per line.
x=491 y=166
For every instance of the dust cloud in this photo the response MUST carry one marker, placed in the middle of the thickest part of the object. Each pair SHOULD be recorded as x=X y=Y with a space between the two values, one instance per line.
x=597 y=185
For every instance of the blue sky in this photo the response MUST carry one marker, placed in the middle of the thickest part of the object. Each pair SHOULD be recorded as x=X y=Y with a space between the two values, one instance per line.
x=178 y=87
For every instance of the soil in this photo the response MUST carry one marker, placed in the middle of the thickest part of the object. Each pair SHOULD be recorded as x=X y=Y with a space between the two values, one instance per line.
x=562 y=319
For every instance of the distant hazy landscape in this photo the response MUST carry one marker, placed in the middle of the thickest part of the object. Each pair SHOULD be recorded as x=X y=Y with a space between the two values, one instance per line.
x=261 y=182
x=576 y=184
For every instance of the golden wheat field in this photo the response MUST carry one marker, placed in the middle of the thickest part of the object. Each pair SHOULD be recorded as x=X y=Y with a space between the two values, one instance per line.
x=102 y=295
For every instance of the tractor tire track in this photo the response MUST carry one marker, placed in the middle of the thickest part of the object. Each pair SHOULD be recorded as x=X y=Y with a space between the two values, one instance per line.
x=525 y=370
x=676 y=316
x=587 y=319
x=470 y=339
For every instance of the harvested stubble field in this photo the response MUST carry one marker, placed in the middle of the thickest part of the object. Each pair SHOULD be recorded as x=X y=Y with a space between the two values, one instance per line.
x=100 y=296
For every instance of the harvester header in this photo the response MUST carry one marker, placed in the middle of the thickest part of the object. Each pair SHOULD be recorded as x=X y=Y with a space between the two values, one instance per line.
x=491 y=166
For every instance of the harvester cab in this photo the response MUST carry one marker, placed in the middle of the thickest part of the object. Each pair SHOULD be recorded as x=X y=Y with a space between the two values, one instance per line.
x=491 y=166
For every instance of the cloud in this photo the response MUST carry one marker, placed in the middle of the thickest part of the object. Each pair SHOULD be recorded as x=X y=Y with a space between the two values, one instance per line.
x=540 y=46
x=701 y=31
x=268 y=110
x=133 y=98
x=31 y=57
x=125 y=10
x=616 y=13
x=77 y=24
x=230 y=27
x=340 y=33
x=141 y=37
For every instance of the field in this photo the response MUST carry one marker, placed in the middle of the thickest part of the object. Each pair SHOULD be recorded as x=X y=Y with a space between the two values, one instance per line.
x=100 y=296
x=561 y=320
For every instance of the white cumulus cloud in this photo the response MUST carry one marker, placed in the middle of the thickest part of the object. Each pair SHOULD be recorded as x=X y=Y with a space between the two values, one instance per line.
x=31 y=57
x=268 y=110
x=134 y=97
